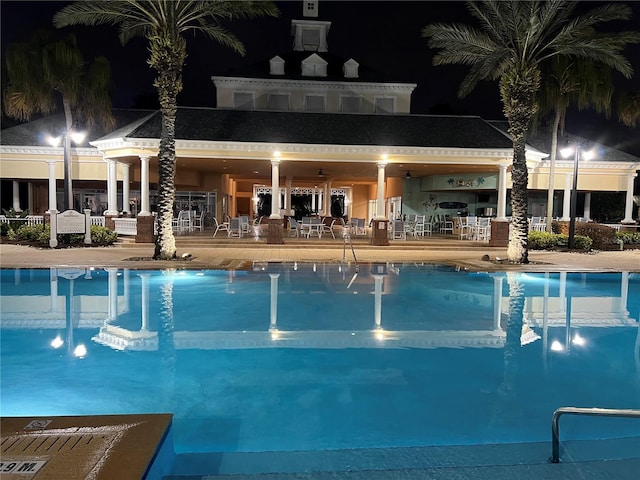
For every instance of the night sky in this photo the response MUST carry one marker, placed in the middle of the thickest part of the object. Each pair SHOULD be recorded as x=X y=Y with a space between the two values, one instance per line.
x=382 y=35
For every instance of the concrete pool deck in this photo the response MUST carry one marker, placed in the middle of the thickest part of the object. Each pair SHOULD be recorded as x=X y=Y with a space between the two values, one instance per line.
x=206 y=252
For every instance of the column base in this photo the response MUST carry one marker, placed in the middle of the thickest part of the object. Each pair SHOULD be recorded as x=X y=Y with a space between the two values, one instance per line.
x=274 y=234
x=499 y=234
x=379 y=232
x=144 y=225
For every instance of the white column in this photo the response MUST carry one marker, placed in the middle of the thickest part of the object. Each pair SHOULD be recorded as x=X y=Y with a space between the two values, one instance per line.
x=380 y=213
x=275 y=188
x=30 y=197
x=587 y=207
x=16 y=196
x=566 y=201
x=144 y=187
x=287 y=198
x=501 y=213
x=53 y=202
x=125 y=187
x=327 y=199
x=112 y=188
x=628 y=205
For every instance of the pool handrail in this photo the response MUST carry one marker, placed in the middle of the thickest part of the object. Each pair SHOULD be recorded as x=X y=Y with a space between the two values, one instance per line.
x=605 y=412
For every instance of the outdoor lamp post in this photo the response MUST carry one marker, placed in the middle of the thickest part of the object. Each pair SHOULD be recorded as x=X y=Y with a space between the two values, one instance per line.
x=578 y=152
x=66 y=138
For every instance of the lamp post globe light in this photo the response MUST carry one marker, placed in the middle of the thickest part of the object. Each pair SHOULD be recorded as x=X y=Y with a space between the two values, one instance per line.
x=578 y=151
x=66 y=138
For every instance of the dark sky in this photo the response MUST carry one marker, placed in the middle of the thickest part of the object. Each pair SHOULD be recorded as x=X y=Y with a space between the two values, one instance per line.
x=384 y=35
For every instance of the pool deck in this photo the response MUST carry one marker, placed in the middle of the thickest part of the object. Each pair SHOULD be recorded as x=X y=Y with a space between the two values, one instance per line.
x=130 y=457
x=217 y=253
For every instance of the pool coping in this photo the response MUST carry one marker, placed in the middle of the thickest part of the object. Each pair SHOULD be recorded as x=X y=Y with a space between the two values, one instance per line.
x=95 y=447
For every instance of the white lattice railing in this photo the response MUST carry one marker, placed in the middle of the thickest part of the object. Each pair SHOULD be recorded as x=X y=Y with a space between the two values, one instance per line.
x=98 y=220
x=126 y=226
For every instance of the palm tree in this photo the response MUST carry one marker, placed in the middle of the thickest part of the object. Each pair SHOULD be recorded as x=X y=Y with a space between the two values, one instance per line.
x=567 y=82
x=514 y=39
x=50 y=71
x=165 y=24
x=629 y=108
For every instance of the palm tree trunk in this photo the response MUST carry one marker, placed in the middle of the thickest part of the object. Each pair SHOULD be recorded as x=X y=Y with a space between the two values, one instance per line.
x=518 y=90
x=167 y=58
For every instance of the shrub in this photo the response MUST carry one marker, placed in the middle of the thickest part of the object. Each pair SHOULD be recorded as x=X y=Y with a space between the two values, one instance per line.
x=4 y=229
x=628 y=238
x=40 y=234
x=29 y=233
x=549 y=241
x=601 y=235
x=542 y=240
x=102 y=235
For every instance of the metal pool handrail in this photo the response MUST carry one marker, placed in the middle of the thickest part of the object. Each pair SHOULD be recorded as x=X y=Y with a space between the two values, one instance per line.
x=604 y=412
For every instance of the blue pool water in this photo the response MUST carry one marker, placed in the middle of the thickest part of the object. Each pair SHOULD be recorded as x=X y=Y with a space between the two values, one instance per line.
x=309 y=356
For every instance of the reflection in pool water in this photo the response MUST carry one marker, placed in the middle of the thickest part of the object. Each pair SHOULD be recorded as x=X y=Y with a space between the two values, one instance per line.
x=305 y=356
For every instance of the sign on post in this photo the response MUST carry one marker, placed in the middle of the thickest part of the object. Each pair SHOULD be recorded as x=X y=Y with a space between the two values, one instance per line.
x=70 y=221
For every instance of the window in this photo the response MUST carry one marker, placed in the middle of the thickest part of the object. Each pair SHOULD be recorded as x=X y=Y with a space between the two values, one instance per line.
x=278 y=101
x=385 y=105
x=243 y=101
x=351 y=104
x=314 y=103
x=311 y=40
x=311 y=8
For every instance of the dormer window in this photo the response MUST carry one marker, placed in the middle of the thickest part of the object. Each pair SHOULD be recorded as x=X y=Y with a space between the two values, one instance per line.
x=276 y=66
x=314 y=66
x=310 y=40
x=350 y=69
x=309 y=35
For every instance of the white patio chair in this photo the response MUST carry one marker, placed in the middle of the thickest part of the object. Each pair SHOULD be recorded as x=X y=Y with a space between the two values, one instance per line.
x=224 y=226
x=446 y=225
x=197 y=222
x=397 y=230
x=294 y=227
x=235 y=228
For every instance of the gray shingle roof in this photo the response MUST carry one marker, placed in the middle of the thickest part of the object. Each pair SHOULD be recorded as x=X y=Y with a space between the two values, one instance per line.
x=329 y=129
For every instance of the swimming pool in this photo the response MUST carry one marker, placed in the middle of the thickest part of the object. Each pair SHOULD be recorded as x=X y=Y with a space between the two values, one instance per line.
x=306 y=356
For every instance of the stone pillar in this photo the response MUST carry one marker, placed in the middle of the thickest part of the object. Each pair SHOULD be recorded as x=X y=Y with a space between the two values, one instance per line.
x=380 y=232
x=499 y=233
x=144 y=229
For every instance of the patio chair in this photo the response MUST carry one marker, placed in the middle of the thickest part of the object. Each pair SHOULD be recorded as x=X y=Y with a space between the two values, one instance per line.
x=197 y=222
x=294 y=227
x=397 y=230
x=235 y=228
x=224 y=226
